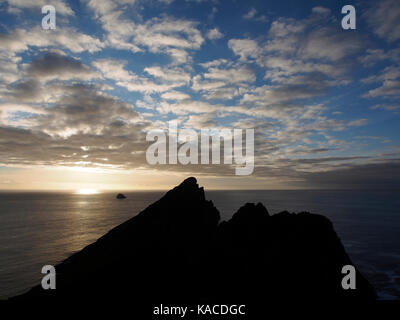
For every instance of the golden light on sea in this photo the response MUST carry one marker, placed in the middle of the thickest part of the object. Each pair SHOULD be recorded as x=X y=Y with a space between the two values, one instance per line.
x=87 y=191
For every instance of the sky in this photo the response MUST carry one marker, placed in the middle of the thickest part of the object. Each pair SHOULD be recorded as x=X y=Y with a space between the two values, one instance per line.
x=77 y=102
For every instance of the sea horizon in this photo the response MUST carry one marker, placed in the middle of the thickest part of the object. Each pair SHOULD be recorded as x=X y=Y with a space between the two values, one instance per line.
x=208 y=189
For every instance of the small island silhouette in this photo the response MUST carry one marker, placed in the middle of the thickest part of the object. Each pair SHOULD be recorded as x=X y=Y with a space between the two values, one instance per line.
x=176 y=250
x=120 y=196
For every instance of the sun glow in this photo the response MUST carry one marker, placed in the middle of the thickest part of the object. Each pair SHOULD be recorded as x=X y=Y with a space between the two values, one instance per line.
x=87 y=191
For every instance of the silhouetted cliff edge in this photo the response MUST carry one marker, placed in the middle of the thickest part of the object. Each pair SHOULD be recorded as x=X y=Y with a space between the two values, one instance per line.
x=176 y=250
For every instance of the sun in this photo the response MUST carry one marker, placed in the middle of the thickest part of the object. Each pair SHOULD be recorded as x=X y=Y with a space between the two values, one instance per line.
x=87 y=191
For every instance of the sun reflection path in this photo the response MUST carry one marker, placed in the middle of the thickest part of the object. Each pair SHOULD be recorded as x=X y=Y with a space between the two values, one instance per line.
x=87 y=191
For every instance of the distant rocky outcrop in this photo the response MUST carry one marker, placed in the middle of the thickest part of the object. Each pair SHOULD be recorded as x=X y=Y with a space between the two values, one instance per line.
x=120 y=196
x=177 y=251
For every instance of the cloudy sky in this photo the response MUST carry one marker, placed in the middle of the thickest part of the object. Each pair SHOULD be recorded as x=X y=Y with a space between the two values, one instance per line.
x=76 y=102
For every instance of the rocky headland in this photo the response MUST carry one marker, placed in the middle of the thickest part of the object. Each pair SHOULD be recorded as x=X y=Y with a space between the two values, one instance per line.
x=177 y=250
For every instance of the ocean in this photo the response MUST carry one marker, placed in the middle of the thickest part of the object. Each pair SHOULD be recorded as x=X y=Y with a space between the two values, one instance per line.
x=40 y=228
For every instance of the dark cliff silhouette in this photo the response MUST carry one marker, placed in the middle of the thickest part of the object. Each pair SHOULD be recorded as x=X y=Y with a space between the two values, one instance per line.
x=120 y=196
x=177 y=251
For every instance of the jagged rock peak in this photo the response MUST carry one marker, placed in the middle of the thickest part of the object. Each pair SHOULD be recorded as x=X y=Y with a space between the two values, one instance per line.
x=188 y=190
x=250 y=211
x=189 y=182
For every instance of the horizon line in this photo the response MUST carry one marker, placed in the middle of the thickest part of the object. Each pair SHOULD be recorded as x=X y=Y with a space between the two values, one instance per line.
x=205 y=189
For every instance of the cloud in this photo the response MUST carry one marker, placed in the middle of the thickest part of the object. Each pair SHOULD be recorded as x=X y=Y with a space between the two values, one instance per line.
x=61 y=7
x=30 y=82
x=390 y=83
x=76 y=125
x=388 y=88
x=175 y=95
x=214 y=34
x=175 y=75
x=373 y=56
x=301 y=87
x=203 y=121
x=61 y=67
x=232 y=75
x=303 y=58
x=20 y=40
x=222 y=80
x=306 y=150
x=225 y=93
x=25 y=90
x=166 y=35
x=158 y=34
x=382 y=175
x=9 y=70
x=321 y=10
x=186 y=107
x=82 y=126
x=179 y=56
x=86 y=109
x=358 y=123
x=61 y=106
x=384 y=18
x=387 y=107
x=326 y=43
x=105 y=6
x=252 y=15
x=310 y=38
x=10 y=111
x=244 y=48
x=24 y=147
x=249 y=15
x=165 y=78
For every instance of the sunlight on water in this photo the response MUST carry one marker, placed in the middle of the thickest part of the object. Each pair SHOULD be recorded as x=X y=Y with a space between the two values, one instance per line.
x=87 y=191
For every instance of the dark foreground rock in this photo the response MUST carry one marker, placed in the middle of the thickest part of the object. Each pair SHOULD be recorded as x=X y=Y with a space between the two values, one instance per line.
x=176 y=251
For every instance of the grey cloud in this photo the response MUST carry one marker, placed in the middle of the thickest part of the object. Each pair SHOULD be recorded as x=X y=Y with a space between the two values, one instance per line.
x=202 y=121
x=324 y=159
x=296 y=88
x=310 y=150
x=330 y=44
x=83 y=107
x=223 y=80
x=384 y=17
x=370 y=176
x=72 y=123
x=54 y=65
x=26 y=147
x=24 y=90
x=32 y=87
